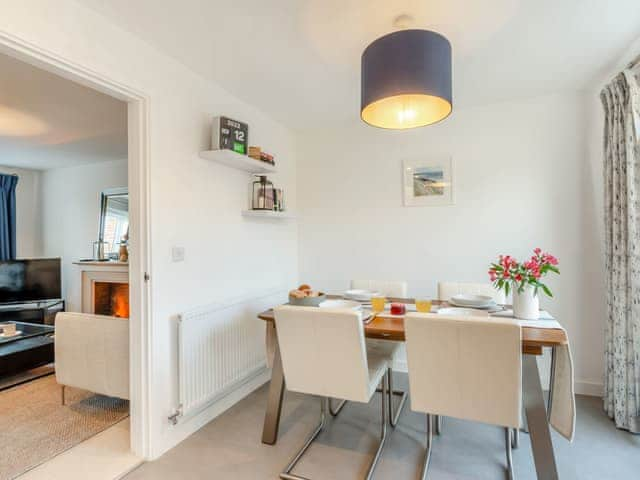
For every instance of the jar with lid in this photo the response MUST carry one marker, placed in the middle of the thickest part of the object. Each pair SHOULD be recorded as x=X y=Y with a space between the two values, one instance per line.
x=262 y=196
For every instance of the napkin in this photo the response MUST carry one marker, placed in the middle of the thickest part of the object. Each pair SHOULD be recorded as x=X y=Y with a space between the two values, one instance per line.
x=563 y=408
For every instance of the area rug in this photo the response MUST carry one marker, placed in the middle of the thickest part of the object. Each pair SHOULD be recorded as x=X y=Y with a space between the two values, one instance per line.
x=35 y=426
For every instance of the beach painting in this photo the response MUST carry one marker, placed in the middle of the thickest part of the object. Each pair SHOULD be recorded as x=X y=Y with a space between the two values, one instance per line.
x=428 y=182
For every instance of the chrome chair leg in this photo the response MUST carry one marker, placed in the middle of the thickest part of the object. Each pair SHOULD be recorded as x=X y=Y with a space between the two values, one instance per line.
x=507 y=436
x=395 y=415
x=336 y=411
x=438 y=423
x=325 y=407
x=287 y=475
x=383 y=430
x=427 y=455
x=515 y=438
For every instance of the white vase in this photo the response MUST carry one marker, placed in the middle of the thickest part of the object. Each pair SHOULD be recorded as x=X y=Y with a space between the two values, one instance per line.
x=526 y=304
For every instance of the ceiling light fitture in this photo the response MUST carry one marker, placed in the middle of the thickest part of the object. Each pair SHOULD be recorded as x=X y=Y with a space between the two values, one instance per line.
x=406 y=80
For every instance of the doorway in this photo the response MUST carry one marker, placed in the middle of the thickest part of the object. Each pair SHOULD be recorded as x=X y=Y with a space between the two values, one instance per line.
x=138 y=179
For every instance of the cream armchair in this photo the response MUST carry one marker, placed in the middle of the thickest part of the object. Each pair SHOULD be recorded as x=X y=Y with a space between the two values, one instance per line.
x=92 y=353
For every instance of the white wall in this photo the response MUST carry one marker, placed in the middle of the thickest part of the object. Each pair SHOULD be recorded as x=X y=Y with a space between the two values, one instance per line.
x=194 y=203
x=520 y=182
x=71 y=216
x=28 y=214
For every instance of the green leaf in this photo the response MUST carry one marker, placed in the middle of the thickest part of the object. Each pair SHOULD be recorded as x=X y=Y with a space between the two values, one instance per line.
x=546 y=290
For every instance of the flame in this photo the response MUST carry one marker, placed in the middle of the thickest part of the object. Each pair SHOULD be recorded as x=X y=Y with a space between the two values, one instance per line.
x=120 y=303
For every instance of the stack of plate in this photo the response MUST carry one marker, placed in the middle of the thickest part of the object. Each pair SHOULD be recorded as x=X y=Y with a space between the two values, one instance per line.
x=360 y=295
x=472 y=301
x=341 y=304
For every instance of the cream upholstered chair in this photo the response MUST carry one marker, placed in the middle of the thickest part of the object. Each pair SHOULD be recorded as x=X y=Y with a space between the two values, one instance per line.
x=393 y=351
x=386 y=288
x=446 y=290
x=476 y=364
x=323 y=353
x=92 y=353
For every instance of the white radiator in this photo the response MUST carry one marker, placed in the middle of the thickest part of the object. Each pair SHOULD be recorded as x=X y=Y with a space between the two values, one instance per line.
x=220 y=347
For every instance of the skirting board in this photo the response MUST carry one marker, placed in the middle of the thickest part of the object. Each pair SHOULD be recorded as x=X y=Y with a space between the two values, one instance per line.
x=583 y=387
x=195 y=423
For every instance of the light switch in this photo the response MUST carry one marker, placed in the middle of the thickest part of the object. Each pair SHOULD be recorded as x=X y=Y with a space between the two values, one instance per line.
x=177 y=254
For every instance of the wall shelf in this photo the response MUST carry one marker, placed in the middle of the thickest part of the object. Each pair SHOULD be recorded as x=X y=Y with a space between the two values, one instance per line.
x=238 y=161
x=268 y=214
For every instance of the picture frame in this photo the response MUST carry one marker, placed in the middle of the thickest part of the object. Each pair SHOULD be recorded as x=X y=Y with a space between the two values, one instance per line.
x=428 y=182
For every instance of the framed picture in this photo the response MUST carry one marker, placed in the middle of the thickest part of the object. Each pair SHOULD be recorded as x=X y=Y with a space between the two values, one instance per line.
x=428 y=182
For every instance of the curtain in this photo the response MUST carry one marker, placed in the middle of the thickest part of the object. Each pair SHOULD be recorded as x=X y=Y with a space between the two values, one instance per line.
x=621 y=101
x=8 y=216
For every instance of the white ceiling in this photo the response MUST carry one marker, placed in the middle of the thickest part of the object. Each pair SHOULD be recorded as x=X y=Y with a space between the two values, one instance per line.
x=299 y=60
x=47 y=121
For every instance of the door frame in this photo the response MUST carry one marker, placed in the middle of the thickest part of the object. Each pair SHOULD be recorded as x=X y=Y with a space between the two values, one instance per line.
x=139 y=199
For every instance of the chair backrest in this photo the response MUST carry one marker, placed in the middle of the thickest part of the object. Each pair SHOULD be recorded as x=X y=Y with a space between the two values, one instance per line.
x=388 y=289
x=468 y=368
x=446 y=290
x=92 y=353
x=323 y=351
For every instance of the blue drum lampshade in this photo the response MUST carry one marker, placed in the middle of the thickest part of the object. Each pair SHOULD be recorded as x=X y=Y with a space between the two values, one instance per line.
x=406 y=80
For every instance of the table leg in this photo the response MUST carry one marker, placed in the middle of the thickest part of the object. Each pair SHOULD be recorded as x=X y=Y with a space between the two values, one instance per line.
x=552 y=375
x=540 y=435
x=274 y=401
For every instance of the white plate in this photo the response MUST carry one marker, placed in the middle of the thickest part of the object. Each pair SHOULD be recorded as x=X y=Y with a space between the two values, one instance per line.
x=360 y=295
x=483 y=306
x=463 y=312
x=471 y=300
x=340 y=304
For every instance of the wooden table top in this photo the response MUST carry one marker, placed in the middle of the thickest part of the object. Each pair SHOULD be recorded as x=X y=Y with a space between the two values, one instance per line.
x=392 y=328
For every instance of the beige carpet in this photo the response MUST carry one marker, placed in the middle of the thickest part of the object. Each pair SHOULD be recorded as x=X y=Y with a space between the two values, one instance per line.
x=35 y=426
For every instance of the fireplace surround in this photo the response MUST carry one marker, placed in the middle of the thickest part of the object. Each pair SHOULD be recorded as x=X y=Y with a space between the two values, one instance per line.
x=105 y=288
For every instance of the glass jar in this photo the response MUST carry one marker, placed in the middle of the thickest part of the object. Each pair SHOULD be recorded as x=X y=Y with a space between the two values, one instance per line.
x=262 y=196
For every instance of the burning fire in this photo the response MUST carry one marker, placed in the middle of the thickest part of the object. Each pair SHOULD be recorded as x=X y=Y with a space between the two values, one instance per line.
x=120 y=303
x=111 y=298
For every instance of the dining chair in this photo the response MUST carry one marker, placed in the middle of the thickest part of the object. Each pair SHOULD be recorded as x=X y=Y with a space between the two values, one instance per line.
x=323 y=353
x=392 y=350
x=476 y=364
x=446 y=290
x=387 y=288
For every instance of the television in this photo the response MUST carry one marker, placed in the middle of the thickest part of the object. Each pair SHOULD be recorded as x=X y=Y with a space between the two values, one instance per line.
x=23 y=281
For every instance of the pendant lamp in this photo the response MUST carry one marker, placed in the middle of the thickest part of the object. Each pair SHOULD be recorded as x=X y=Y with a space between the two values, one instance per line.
x=406 y=80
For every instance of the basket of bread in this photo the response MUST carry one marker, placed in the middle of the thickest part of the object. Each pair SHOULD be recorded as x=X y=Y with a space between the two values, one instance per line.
x=305 y=296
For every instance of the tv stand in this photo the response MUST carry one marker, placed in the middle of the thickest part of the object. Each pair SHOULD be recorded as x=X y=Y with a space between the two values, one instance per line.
x=43 y=313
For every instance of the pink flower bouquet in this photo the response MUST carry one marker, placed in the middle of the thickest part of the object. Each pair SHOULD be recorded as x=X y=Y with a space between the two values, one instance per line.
x=508 y=273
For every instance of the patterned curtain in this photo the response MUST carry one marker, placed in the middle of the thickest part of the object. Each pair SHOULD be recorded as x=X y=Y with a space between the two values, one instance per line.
x=621 y=100
x=8 y=216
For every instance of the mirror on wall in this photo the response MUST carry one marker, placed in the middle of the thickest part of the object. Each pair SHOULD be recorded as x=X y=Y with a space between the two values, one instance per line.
x=114 y=220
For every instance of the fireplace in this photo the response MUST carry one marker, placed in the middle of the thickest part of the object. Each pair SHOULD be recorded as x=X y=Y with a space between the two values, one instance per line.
x=105 y=288
x=111 y=298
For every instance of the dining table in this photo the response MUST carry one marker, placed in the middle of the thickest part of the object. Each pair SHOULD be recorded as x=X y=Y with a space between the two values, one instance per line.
x=386 y=326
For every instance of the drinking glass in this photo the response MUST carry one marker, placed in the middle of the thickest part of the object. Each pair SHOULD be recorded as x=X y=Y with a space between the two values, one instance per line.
x=377 y=304
x=423 y=306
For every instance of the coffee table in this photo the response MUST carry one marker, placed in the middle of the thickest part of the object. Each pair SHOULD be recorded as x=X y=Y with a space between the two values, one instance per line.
x=32 y=348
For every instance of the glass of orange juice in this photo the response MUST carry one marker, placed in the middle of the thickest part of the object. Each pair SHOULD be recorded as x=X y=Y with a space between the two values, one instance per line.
x=377 y=304
x=422 y=305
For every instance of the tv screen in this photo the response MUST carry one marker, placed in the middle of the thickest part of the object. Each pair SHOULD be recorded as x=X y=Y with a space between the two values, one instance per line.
x=29 y=280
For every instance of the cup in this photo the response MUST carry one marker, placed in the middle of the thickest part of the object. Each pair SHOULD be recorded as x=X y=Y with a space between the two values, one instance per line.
x=423 y=306
x=398 y=309
x=377 y=304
